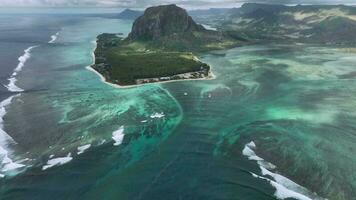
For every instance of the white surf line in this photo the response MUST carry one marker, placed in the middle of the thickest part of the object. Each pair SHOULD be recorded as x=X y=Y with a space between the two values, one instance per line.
x=6 y=164
x=12 y=87
x=285 y=188
x=54 y=38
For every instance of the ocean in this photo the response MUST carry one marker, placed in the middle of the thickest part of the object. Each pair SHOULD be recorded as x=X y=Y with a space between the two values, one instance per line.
x=276 y=123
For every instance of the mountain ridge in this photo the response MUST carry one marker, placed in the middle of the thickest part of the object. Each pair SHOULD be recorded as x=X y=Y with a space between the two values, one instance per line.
x=172 y=28
x=300 y=23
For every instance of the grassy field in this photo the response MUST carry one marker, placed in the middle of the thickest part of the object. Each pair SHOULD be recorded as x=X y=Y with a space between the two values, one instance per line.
x=123 y=63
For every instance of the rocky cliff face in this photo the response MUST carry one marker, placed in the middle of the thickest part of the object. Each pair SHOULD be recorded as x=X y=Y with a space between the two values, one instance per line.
x=163 y=21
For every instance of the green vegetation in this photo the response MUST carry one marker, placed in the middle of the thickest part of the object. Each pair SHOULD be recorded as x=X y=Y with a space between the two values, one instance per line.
x=254 y=22
x=123 y=62
x=159 y=48
x=169 y=27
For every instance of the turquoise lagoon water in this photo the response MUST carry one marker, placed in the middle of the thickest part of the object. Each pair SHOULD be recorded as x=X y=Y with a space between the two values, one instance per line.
x=276 y=123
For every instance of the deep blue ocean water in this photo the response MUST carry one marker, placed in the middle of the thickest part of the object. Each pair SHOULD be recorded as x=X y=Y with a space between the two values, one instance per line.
x=18 y=32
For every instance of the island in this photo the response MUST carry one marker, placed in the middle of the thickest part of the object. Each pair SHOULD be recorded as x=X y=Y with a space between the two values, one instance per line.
x=162 y=46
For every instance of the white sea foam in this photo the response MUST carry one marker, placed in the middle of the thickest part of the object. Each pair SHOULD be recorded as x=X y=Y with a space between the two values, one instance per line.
x=285 y=188
x=83 y=148
x=54 y=38
x=248 y=151
x=281 y=191
x=6 y=164
x=118 y=136
x=57 y=161
x=157 y=115
x=3 y=105
x=12 y=87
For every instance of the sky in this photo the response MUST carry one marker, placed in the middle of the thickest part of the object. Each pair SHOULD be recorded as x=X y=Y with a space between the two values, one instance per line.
x=146 y=3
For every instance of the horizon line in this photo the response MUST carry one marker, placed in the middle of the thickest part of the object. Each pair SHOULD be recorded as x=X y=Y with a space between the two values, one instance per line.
x=183 y=6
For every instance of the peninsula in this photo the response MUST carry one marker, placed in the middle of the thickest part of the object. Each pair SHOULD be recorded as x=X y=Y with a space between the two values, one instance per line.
x=161 y=47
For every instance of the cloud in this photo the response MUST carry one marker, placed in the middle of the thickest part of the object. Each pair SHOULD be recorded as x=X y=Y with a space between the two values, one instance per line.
x=145 y=3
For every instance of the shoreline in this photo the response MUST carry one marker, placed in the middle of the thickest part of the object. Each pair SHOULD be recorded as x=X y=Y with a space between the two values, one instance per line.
x=103 y=79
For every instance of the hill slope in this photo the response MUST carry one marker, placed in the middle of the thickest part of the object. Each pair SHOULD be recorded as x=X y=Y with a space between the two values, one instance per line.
x=332 y=24
x=170 y=27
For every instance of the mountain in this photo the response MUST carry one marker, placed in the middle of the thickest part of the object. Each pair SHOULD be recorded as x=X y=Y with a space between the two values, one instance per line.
x=129 y=14
x=211 y=16
x=161 y=47
x=170 y=27
x=208 y=12
x=252 y=7
x=332 y=24
x=163 y=21
x=336 y=30
x=203 y=15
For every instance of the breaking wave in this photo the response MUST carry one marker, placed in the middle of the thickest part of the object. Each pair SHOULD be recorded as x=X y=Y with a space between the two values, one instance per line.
x=285 y=188
x=12 y=87
x=6 y=164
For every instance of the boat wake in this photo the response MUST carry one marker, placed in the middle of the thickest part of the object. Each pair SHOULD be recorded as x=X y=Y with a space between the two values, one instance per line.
x=285 y=188
x=12 y=87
